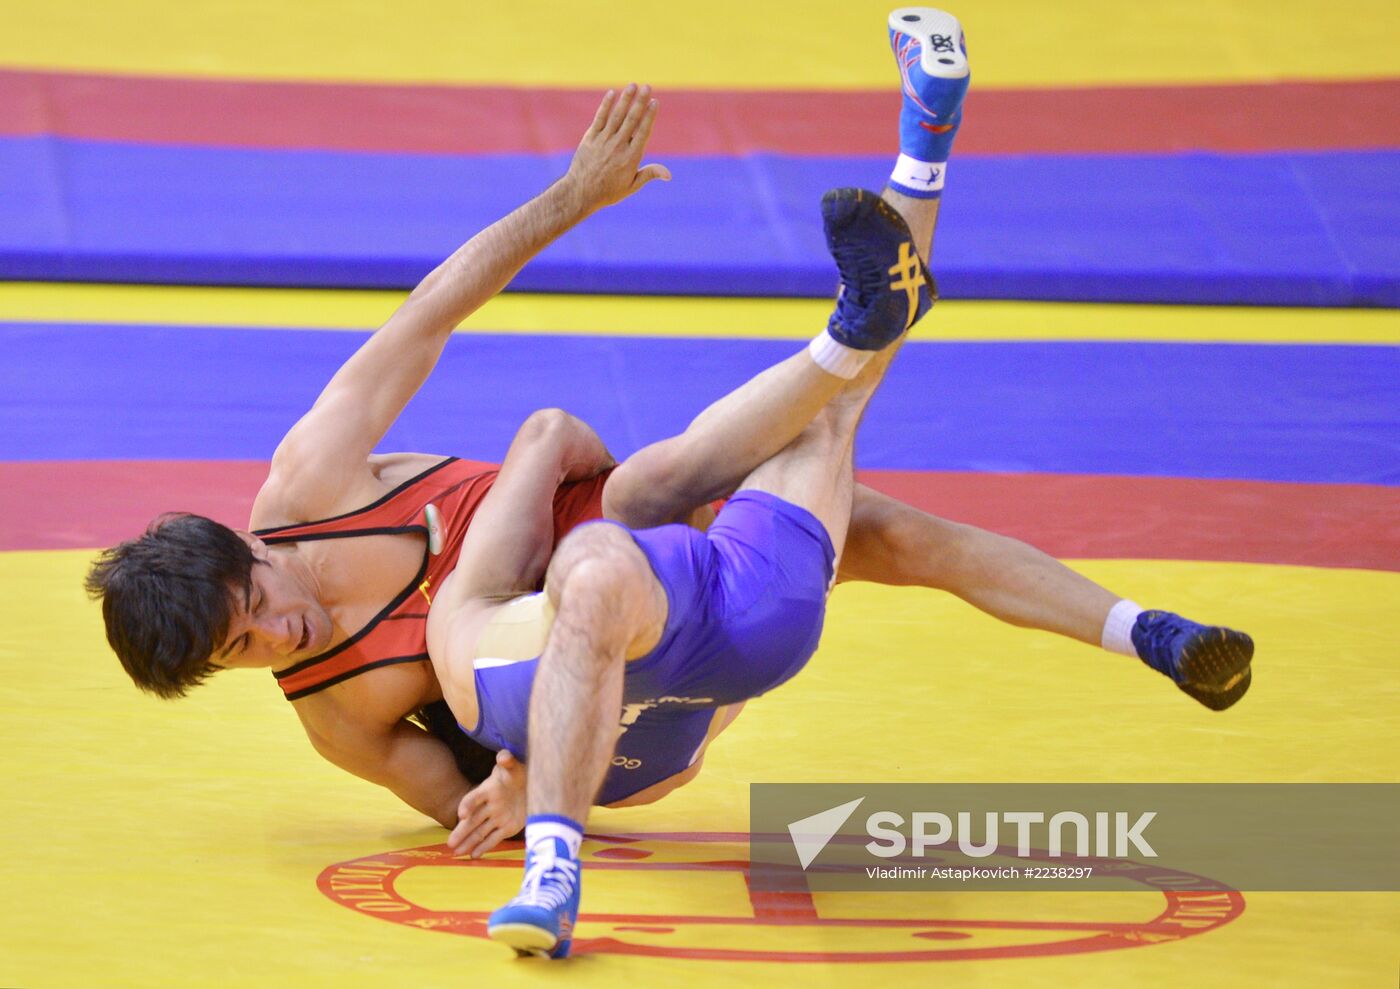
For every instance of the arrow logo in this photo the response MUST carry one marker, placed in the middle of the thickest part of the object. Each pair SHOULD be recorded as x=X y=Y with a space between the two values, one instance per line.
x=811 y=834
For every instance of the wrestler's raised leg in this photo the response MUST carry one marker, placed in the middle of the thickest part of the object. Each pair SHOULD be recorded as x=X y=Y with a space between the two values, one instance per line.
x=893 y=543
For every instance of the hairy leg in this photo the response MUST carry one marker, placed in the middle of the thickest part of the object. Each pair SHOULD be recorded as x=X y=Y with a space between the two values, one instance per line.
x=608 y=607
x=894 y=543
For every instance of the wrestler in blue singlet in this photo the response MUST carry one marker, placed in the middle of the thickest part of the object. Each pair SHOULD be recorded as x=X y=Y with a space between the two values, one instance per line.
x=746 y=600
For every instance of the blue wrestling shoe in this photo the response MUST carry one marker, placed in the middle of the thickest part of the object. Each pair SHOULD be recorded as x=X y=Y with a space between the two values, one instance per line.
x=885 y=287
x=540 y=920
x=931 y=53
x=1207 y=662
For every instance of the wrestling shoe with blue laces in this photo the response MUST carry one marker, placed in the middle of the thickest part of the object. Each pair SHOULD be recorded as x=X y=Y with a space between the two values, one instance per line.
x=885 y=287
x=931 y=53
x=540 y=920
x=1207 y=662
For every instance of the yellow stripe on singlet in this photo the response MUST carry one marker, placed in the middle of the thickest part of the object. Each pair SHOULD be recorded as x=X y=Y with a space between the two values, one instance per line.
x=662 y=316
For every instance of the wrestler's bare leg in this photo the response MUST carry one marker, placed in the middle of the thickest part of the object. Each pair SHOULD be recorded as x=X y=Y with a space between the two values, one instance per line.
x=665 y=481
x=815 y=471
x=896 y=544
x=609 y=607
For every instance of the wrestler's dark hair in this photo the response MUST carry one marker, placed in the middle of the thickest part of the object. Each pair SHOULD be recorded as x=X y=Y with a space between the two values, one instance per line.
x=166 y=599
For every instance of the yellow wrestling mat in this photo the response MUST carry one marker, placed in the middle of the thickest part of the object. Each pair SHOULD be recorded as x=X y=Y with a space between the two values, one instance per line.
x=718 y=44
x=205 y=843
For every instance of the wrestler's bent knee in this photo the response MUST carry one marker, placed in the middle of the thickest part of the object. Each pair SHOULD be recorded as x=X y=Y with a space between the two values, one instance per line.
x=640 y=493
x=602 y=557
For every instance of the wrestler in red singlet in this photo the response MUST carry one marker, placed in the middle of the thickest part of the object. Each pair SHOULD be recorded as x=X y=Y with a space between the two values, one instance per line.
x=398 y=634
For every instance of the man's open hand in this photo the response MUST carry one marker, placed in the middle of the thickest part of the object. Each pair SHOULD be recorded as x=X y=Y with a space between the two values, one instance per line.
x=491 y=812
x=607 y=165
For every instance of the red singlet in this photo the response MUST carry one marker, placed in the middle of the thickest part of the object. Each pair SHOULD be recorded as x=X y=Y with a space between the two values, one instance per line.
x=399 y=633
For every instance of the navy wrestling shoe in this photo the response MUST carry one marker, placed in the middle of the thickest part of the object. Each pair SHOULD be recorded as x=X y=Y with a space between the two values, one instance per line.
x=885 y=287
x=540 y=920
x=1207 y=662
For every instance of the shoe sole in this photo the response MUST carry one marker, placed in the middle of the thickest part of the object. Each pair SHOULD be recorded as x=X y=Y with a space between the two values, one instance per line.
x=854 y=198
x=526 y=939
x=845 y=207
x=1210 y=661
x=921 y=24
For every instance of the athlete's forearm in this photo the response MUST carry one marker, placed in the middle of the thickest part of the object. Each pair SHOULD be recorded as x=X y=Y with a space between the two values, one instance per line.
x=604 y=170
x=484 y=265
x=428 y=780
x=441 y=807
x=328 y=446
x=415 y=766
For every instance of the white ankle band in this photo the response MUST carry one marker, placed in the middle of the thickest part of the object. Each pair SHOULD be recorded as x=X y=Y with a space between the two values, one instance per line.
x=1118 y=628
x=919 y=177
x=834 y=357
x=540 y=830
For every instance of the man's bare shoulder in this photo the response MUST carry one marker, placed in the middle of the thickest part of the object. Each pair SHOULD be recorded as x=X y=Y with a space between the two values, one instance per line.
x=295 y=493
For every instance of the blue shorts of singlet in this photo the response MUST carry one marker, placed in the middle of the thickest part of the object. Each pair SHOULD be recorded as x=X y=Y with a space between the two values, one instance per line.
x=746 y=601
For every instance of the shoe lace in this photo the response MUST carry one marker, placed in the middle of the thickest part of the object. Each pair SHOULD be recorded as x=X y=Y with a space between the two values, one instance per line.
x=549 y=881
x=1161 y=636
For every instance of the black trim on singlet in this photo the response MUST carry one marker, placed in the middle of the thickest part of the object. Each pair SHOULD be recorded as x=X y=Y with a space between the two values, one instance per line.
x=383 y=530
x=399 y=599
x=262 y=533
x=297 y=695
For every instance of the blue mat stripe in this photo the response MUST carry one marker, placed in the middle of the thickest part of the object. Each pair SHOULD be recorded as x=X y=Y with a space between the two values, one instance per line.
x=1282 y=413
x=1285 y=229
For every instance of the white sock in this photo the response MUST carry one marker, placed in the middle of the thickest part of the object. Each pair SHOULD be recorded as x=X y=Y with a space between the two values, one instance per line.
x=920 y=178
x=1118 y=628
x=834 y=357
x=542 y=826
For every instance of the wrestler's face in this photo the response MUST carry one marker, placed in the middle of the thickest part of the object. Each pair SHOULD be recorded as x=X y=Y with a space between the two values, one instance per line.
x=277 y=620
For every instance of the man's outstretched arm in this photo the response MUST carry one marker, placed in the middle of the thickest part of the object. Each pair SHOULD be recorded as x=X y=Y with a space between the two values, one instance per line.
x=367 y=394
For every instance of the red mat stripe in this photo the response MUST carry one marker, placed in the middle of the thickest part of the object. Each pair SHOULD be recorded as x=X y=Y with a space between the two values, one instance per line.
x=84 y=504
x=483 y=120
